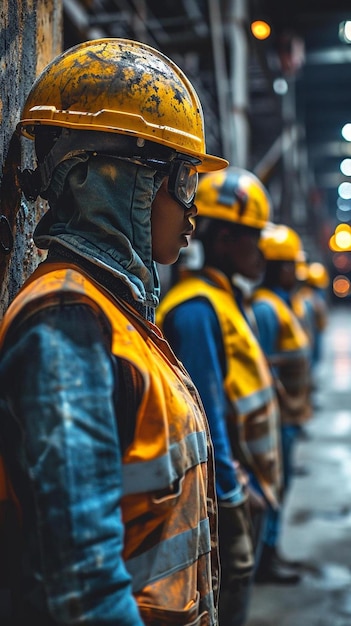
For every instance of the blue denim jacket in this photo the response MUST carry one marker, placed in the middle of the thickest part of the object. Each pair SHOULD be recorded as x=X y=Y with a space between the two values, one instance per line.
x=58 y=388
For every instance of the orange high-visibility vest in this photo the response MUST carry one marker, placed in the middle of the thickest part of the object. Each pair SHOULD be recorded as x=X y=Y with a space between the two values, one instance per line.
x=168 y=503
x=247 y=382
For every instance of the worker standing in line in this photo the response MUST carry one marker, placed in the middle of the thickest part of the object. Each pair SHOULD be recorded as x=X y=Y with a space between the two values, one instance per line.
x=104 y=436
x=312 y=291
x=206 y=322
x=287 y=348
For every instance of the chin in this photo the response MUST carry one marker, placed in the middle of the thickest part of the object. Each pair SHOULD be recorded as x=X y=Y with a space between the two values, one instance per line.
x=168 y=259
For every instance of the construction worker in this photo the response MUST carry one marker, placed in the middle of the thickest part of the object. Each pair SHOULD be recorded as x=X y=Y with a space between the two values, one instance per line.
x=287 y=348
x=206 y=322
x=312 y=291
x=105 y=439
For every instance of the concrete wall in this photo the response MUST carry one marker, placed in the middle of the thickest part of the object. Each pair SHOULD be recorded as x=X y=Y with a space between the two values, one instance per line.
x=31 y=35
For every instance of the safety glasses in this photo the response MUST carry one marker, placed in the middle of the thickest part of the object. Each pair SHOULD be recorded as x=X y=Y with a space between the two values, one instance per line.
x=182 y=177
x=182 y=182
x=181 y=172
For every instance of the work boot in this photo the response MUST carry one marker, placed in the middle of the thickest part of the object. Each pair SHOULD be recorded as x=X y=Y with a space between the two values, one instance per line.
x=275 y=570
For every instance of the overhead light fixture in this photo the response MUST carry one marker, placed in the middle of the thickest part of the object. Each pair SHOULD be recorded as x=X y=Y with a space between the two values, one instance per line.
x=260 y=29
x=345 y=31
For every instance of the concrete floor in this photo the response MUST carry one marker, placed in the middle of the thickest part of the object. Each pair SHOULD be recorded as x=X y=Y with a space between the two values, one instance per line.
x=317 y=515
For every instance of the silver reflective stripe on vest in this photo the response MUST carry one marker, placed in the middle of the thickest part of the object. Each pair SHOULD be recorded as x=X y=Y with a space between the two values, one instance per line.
x=254 y=401
x=169 y=556
x=261 y=446
x=161 y=472
x=287 y=355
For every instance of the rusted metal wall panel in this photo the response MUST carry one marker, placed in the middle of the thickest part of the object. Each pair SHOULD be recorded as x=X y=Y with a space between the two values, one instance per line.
x=31 y=35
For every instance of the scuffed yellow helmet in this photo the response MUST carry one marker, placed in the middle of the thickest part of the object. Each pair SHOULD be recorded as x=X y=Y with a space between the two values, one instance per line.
x=234 y=195
x=120 y=86
x=279 y=242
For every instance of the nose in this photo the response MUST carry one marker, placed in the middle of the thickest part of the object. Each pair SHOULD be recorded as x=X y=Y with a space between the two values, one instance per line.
x=192 y=212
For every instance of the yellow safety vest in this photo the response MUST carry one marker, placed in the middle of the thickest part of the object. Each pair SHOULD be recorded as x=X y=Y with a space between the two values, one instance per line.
x=318 y=305
x=293 y=340
x=300 y=308
x=290 y=360
x=253 y=424
x=168 y=503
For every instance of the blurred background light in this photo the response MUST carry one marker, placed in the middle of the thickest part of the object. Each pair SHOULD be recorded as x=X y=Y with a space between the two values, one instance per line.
x=343 y=240
x=343 y=215
x=345 y=31
x=344 y=190
x=280 y=87
x=341 y=286
x=346 y=132
x=342 y=261
x=345 y=167
x=260 y=29
x=343 y=205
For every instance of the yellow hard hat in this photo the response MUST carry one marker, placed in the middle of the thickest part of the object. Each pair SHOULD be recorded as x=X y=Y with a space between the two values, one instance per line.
x=317 y=275
x=234 y=195
x=301 y=270
x=279 y=242
x=120 y=86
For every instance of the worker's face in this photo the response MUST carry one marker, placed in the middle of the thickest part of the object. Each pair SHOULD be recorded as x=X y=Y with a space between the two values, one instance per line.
x=241 y=254
x=248 y=258
x=287 y=275
x=170 y=226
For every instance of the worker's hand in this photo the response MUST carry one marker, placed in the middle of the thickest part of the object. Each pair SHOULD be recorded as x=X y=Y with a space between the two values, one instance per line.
x=257 y=503
x=235 y=539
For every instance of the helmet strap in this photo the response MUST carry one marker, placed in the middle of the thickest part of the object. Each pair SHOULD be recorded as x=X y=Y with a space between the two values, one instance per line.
x=72 y=143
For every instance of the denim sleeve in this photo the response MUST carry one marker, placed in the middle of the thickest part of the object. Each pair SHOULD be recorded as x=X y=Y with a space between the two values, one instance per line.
x=194 y=333
x=59 y=380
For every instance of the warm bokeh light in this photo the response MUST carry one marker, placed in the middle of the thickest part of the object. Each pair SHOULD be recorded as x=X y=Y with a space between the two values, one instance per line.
x=260 y=29
x=342 y=261
x=332 y=244
x=341 y=286
x=343 y=239
x=343 y=228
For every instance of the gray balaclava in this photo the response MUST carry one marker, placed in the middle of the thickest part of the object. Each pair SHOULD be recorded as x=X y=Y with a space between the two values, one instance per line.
x=100 y=207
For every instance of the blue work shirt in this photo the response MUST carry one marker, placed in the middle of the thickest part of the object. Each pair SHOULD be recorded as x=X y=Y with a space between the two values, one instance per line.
x=60 y=415
x=193 y=330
